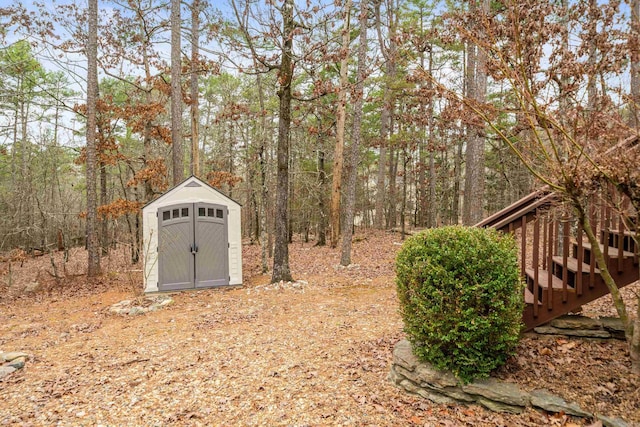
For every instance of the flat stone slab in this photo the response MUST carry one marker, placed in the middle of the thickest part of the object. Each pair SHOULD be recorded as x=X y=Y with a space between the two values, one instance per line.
x=498 y=391
x=612 y=422
x=549 y=402
x=614 y=326
x=585 y=333
x=17 y=363
x=6 y=371
x=586 y=327
x=500 y=407
x=576 y=322
x=11 y=355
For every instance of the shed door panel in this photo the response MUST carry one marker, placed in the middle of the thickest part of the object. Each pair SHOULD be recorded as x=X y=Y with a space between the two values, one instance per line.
x=175 y=243
x=212 y=258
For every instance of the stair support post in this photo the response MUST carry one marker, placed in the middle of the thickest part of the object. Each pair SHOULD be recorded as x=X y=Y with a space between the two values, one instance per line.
x=550 y=242
x=580 y=258
x=621 y=234
x=523 y=246
x=536 y=262
x=566 y=229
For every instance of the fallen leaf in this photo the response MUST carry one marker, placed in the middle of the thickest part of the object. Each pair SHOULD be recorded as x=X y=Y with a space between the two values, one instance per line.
x=415 y=420
x=545 y=351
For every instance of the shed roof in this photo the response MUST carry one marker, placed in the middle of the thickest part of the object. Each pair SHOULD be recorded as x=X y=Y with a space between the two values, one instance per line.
x=186 y=183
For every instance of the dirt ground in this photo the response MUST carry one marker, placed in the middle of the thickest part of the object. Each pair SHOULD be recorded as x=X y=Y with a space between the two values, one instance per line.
x=312 y=353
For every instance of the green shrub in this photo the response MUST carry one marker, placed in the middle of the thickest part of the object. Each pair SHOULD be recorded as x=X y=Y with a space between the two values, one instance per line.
x=461 y=298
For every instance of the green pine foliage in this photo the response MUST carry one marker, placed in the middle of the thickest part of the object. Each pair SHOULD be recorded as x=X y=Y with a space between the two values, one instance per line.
x=461 y=300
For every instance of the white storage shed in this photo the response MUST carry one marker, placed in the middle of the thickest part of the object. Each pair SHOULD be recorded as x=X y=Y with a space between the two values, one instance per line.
x=191 y=239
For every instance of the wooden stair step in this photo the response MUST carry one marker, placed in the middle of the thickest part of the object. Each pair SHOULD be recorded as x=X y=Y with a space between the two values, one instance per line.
x=572 y=265
x=543 y=279
x=529 y=298
x=612 y=252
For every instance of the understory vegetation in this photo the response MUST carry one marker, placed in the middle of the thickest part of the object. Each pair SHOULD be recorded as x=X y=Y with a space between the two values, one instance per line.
x=460 y=296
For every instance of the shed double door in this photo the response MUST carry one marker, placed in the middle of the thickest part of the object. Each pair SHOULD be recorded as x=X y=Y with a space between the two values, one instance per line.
x=193 y=246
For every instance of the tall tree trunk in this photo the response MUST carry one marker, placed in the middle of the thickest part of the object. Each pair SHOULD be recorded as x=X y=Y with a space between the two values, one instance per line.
x=471 y=156
x=25 y=186
x=380 y=177
x=432 y=202
x=93 y=246
x=403 y=212
x=422 y=205
x=473 y=210
x=176 y=95
x=292 y=194
x=634 y=110
x=147 y=193
x=457 y=182
x=321 y=239
x=392 y=216
x=389 y=52
x=341 y=113
x=264 y=189
x=104 y=229
x=352 y=170
x=281 y=269
x=195 y=105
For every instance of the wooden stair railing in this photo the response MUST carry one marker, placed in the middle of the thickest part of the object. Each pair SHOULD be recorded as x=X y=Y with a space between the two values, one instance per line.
x=557 y=261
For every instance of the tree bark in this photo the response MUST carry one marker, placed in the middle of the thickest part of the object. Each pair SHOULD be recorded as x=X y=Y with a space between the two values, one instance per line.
x=321 y=239
x=352 y=170
x=341 y=114
x=473 y=207
x=93 y=246
x=394 y=155
x=264 y=189
x=634 y=107
x=176 y=95
x=389 y=53
x=281 y=269
x=457 y=182
x=104 y=225
x=195 y=105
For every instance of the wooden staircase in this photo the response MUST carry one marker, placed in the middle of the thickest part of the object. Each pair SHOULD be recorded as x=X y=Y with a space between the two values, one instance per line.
x=556 y=258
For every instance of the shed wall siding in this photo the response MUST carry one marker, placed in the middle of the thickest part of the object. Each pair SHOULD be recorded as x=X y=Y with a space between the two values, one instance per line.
x=150 y=250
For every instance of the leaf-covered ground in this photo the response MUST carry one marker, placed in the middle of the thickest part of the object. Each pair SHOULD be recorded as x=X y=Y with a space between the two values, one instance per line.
x=312 y=353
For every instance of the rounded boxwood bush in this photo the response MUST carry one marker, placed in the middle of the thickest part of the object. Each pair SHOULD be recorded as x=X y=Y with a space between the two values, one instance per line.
x=461 y=298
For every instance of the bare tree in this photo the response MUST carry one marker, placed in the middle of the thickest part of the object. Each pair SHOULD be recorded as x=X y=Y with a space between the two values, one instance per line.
x=193 y=87
x=176 y=94
x=389 y=50
x=281 y=270
x=93 y=245
x=352 y=162
x=341 y=114
x=476 y=81
x=634 y=36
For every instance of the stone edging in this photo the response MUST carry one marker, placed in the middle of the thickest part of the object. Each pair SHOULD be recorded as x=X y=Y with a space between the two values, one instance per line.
x=422 y=379
x=11 y=362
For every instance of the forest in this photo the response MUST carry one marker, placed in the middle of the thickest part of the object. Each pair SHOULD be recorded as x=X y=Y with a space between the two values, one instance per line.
x=340 y=127
x=317 y=116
